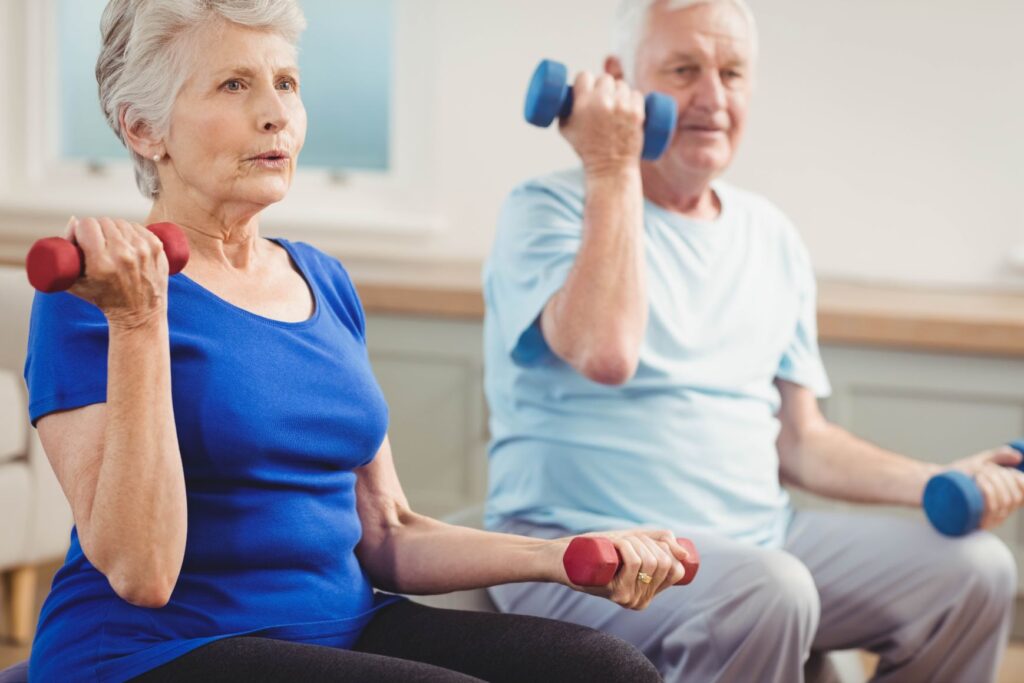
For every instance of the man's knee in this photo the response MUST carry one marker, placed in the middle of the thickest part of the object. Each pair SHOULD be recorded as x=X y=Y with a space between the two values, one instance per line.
x=983 y=564
x=776 y=598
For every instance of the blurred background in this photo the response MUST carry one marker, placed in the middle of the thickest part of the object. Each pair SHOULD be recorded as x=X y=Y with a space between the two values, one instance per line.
x=888 y=130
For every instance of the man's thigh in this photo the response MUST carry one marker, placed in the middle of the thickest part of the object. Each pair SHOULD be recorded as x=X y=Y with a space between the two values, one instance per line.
x=878 y=576
x=704 y=622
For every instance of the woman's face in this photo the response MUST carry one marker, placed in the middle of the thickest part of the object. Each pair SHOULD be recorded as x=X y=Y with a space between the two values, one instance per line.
x=238 y=123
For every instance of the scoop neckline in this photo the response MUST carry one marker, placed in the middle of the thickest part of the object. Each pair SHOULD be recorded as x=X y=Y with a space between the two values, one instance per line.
x=317 y=306
x=707 y=225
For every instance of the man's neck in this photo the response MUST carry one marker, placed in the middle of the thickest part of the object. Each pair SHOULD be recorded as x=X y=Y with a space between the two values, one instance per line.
x=690 y=196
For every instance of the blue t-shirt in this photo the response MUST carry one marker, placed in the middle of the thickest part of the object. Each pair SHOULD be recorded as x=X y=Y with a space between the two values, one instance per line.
x=272 y=418
x=688 y=443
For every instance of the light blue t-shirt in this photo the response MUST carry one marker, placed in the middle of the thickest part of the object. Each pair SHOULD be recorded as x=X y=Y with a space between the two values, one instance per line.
x=687 y=444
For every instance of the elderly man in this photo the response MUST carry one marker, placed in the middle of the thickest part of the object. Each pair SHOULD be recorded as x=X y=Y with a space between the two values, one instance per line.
x=652 y=359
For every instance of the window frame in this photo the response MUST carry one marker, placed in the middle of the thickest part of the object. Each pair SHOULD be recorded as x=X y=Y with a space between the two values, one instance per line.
x=321 y=202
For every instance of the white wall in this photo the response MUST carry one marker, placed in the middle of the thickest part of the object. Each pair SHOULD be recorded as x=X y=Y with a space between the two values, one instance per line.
x=891 y=131
x=888 y=129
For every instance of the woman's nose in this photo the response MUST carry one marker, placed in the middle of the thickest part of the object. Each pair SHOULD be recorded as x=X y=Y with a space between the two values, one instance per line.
x=273 y=114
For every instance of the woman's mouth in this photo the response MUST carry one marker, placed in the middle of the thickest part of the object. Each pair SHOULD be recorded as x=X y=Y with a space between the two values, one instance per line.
x=275 y=159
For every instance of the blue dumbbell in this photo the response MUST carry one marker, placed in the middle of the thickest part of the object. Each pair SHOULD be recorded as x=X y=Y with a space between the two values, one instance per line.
x=953 y=502
x=550 y=97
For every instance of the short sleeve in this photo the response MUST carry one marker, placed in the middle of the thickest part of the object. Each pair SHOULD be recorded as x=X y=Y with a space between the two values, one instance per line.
x=66 y=364
x=329 y=277
x=538 y=237
x=349 y=299
x=801 y=362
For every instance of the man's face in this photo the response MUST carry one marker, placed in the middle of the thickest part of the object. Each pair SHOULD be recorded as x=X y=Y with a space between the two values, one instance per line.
x=702 y=57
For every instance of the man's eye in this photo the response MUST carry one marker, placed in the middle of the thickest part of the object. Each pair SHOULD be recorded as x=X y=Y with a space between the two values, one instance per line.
x=685 y=70
x=288 y=84
x=233 y=85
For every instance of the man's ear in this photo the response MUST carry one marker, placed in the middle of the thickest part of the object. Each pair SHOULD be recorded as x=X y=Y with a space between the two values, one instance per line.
x=613 y=67
x=140 y=138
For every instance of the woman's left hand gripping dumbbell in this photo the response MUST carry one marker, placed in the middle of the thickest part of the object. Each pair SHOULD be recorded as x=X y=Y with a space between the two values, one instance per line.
x=647 y=563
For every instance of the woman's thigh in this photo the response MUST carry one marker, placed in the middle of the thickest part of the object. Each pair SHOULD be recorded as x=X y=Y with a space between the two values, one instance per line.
x=503 y=647
x=252 y=659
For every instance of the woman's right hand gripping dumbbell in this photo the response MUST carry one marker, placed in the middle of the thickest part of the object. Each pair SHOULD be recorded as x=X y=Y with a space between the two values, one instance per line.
x=606 y=126
x=126 y=270
x=649 y=562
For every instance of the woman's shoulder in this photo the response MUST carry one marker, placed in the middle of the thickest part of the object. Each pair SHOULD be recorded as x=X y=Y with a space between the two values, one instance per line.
x=62 y=312
x=314 y=259
x=326 y=273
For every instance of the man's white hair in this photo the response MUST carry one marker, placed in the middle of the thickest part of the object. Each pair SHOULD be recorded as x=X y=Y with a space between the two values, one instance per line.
x=147 y=54
x=631 y=25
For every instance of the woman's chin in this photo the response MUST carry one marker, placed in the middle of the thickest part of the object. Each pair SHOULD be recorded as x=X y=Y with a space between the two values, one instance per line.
x=266 y=193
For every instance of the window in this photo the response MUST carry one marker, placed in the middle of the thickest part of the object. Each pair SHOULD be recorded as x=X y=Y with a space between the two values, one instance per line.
x=369 y=85
x=348 y=107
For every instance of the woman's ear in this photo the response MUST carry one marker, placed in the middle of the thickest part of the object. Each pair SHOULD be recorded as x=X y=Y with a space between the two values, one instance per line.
x=613 y=67
x=140 y=137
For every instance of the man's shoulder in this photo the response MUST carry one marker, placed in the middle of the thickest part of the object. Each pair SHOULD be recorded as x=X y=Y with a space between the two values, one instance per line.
x=566 y=185
x=753 y=204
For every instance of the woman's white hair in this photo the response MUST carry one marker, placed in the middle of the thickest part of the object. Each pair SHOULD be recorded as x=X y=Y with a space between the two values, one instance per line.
x=631 y=25
x=146 y=58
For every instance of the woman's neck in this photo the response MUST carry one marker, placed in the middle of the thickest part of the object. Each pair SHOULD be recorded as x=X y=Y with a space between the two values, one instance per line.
x=220 y=238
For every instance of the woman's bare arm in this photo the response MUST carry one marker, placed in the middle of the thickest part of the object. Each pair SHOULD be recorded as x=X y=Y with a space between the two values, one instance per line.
x=409 y=553
x=118 y=462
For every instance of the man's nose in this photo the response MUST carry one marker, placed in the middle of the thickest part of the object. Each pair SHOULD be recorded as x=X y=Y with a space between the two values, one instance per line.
x=710 y=92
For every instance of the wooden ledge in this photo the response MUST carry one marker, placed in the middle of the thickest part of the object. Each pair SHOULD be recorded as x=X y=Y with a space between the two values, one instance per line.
x=975 y=322
x=885 y=316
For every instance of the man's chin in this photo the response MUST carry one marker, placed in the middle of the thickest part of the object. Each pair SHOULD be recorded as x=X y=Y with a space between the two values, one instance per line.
x=703 y=162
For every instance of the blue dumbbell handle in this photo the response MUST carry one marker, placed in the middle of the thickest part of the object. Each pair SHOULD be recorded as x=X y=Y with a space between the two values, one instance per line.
x=1018 y=446
x=953 y=502
x=550 y=97
x=659 y=122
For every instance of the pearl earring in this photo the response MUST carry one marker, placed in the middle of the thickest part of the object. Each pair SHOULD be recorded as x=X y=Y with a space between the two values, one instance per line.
x=157 y=157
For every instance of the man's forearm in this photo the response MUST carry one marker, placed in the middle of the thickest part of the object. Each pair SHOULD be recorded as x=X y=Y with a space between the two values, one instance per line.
x=831 y=462
x=602 y=307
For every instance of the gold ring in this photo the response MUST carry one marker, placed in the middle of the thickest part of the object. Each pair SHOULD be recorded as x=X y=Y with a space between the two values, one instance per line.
x=644 y=577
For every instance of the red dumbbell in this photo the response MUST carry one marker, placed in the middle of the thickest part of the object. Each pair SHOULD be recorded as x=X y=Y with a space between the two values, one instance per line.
x=54 y=263
x=591 y=561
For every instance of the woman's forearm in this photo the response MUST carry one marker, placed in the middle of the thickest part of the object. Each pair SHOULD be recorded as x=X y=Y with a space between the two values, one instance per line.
x=420 y=555
x=137 y=521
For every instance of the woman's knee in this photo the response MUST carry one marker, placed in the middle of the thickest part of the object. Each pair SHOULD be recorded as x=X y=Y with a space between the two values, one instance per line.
x=598 y=656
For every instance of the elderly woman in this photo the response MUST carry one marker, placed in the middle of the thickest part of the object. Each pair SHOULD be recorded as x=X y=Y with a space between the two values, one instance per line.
x=219 y=434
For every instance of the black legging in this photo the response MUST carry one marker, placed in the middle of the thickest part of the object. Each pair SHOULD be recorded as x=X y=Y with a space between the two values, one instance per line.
x=407 y=641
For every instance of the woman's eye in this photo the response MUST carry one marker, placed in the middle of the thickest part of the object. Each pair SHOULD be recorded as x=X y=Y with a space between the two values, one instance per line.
x=288 y=84
x=233 y=85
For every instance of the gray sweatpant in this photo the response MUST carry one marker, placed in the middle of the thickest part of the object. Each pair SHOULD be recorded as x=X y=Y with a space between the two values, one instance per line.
x=933 y=608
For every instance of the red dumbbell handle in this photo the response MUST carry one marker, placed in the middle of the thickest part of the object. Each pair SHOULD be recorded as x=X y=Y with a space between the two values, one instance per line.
x=591 y=561
x=54 y=264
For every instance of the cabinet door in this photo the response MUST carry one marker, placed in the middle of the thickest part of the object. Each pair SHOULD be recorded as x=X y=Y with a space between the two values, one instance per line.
x=431 y=373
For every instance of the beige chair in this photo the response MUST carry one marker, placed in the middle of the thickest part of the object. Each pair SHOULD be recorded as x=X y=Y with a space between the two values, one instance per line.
x=36 y=516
